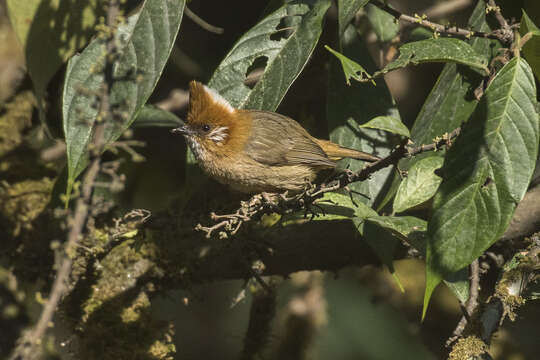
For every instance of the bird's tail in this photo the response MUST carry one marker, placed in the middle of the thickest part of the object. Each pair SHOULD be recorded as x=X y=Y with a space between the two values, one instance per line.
x=336 y=152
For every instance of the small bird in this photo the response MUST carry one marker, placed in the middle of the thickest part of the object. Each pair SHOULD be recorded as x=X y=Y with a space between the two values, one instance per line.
x=255 y=151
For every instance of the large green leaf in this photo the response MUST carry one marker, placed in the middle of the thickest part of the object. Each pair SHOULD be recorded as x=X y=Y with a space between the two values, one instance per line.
x=531 y=50
x=285 y=57
x=439 y=50
x=346 y=11
x=144 y=43
x=420 y=184
x=450 y=104
x=486 y=172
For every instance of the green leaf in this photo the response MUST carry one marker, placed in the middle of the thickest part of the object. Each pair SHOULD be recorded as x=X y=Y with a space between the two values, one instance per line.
x=385 y=26
x=348 y=107
x=450 y=102
x=420 y=184
x=459 y=284
x=414 y=231
x=336 y=206
x=351 y=69
x=144 y=42
x=407 y=228
x=433 y=279
x=286 y=57
x=152 y=116
x=439 y=50
x=50 y=33
x=531 y=49
x=346 y=11
x=486 y=172
x=388 y=123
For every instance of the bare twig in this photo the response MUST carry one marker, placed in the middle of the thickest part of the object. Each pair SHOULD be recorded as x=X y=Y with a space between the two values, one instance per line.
x=492 y=7
x=260 y=204
x=203 y=24
x=442 y=29
x=471 y=304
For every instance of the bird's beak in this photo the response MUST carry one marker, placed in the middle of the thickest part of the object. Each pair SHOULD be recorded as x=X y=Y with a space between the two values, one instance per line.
x=182 y=130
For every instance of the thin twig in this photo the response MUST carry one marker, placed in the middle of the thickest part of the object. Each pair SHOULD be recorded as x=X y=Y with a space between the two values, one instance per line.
x=470 y=305
x=442 y=29
x=284 y=204
x=498 y=15
x=203 y=24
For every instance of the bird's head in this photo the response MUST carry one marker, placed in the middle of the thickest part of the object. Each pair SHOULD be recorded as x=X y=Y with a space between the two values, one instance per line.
x=213 y=126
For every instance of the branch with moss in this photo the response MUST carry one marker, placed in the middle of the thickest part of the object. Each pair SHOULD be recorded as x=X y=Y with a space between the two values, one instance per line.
x=77 y=220
x=515 y=286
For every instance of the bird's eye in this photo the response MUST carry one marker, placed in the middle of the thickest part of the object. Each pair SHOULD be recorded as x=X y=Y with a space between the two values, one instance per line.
x=206 y=128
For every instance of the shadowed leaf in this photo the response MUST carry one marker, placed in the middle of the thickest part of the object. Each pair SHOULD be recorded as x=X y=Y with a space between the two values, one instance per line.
x=144 y=43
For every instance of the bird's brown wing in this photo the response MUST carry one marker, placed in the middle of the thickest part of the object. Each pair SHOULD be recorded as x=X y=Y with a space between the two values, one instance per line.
x=278 y=140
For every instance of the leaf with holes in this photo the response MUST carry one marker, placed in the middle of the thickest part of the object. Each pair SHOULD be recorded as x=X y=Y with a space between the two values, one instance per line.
x=285 y=57
x=388 y=123
x=346 y=11
x=531 y=49
x=351 y=69
x=420 y=184
x=439 y=50
x=144 y=43
x=485 y=174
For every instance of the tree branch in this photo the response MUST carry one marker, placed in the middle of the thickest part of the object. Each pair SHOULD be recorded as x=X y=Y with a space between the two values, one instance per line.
x=28 y=347
x=442 y=29
x=284 y=204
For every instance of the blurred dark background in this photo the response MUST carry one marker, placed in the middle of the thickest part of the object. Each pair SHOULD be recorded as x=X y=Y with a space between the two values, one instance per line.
x=363 y=314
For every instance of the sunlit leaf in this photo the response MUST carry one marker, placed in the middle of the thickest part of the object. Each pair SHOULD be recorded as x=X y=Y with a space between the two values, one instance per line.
x=420 y=184
x=439 y=50
x=388 y=123
x=531 y=49
x=144 y=43
x=486 y=172
x=351 y=69
x=451 y=102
